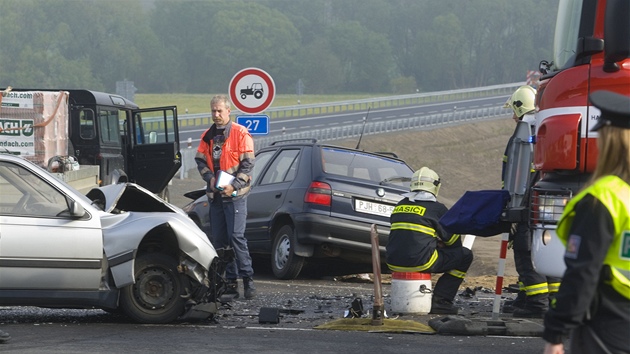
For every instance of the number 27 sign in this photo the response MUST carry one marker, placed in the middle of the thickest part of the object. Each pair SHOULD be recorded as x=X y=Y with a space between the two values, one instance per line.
x=255 y=124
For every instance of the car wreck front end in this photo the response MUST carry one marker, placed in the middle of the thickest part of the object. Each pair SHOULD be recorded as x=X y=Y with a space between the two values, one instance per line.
x=163 y=264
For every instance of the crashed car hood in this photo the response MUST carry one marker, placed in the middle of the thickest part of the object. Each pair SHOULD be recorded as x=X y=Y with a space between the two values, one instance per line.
x=129 y=197
x=130 y=203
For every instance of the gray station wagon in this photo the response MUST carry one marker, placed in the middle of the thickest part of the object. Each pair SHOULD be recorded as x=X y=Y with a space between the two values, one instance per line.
x=313 y=200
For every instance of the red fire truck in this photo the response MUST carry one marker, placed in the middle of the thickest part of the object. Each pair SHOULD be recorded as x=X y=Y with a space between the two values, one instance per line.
x=591 y=52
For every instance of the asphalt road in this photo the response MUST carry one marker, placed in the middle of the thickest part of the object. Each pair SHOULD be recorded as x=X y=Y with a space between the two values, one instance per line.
x=302 y=304
x=116 y=338
x=278 y=127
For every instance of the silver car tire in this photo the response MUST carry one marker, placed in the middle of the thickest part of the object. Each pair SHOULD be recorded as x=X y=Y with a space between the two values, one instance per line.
x=156 y=295
x=284 y=262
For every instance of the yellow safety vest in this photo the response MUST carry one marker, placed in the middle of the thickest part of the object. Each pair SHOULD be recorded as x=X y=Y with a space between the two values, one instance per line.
x=614 y=194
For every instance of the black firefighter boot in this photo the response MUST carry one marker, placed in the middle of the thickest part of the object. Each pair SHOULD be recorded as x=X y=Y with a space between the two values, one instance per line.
x=231 y=288
x=442 y=306
x=519 y=302
x=249 y=288
x=535 y=307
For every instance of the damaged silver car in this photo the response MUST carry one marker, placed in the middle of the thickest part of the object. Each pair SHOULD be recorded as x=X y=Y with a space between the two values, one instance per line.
x=117 y=248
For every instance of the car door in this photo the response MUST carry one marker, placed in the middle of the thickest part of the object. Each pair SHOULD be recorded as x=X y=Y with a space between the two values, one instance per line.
x=154 y=157
x=42 y=247
x=269 y=192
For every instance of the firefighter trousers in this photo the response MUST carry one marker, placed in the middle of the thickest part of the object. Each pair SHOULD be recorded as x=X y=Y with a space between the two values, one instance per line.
x=454 y=263
x=537 y=287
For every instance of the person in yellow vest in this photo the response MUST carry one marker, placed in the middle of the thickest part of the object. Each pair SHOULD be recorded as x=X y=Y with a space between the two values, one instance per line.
x=593 y=303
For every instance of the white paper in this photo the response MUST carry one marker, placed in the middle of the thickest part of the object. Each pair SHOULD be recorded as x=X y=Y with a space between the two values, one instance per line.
x=468 y=241
x=223 y=179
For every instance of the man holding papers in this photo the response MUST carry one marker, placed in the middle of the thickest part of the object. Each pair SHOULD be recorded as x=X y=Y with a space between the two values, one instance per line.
x=225 y=160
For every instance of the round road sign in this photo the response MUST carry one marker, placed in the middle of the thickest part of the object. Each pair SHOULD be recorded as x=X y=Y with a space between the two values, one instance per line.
x=252 y=90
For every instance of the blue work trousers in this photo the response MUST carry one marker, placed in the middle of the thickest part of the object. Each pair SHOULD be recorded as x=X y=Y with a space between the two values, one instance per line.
x=227 y=218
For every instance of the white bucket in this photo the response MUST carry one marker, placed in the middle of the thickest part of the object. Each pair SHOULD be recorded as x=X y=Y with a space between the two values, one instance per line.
x=411 y=293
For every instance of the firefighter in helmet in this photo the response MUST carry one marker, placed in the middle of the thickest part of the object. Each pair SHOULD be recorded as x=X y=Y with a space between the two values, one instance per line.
x=593 y=303
x=522 y=102
x=417 y=242
x=534 y=289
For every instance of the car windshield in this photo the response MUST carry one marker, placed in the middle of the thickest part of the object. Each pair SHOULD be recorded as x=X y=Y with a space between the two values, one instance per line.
x=24 y=193
x=366 y=166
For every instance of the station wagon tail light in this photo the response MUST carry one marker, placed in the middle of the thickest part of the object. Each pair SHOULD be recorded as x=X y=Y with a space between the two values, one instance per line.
x=319 y=193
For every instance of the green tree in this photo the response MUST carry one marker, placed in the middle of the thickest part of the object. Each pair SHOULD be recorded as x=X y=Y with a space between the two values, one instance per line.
x=320 y=68
x=64 y=43
x=183 y=28
x=365 y=57
x=216 y=39
x=438 y=54
x=33 y=49
x=333 y=46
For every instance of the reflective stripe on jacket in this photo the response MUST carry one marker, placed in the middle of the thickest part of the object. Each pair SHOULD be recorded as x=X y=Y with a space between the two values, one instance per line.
x=237 y=156
x=414 y=235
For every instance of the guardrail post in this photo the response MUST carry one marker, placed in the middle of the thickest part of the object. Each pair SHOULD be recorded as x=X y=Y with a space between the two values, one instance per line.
x=188 y=157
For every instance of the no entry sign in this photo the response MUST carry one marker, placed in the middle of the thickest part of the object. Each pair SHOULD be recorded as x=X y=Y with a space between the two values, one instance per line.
x=252 y=90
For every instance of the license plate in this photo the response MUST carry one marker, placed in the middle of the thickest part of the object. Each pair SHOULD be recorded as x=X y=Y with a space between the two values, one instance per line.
x=364 y=206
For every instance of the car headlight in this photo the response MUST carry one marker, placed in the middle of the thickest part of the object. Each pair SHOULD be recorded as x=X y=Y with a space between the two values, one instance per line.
x=546 y=237
x=550 y=207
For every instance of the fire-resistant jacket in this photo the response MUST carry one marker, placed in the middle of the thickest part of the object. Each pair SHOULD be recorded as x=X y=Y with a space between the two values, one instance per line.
x=595 y=289
x=414 y=235
x=237 y=157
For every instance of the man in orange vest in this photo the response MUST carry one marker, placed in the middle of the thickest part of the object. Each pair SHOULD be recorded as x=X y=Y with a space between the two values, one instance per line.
x=226 y=149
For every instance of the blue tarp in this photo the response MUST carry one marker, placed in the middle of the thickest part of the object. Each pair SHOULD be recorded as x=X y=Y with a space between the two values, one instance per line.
x=478 y=213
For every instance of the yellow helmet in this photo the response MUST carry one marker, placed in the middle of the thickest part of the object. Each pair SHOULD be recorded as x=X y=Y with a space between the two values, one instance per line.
x=522 y=101
x=425 y=179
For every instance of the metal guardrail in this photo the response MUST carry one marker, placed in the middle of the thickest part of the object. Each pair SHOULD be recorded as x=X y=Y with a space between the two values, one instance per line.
x=371 y=128
x=389 y=126
x=297 y=111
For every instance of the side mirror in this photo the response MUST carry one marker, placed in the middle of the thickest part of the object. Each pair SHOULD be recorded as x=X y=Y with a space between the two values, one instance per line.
x=76 y=210
x=616 y=34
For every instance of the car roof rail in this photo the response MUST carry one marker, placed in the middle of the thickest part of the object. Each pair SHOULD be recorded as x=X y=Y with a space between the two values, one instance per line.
x=290 y=141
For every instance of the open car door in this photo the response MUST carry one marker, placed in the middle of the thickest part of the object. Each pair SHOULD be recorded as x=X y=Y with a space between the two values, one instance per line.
x=153 y=158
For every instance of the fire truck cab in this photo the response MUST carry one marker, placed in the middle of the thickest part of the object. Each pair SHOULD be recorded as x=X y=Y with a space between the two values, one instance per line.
x=591 y=53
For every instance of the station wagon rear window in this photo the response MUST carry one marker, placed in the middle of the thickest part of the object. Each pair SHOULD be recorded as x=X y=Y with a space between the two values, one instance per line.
x=375 y=168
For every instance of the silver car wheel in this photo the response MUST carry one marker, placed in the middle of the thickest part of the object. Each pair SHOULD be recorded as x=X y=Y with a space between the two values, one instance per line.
x=284 y=262
x=282 y=252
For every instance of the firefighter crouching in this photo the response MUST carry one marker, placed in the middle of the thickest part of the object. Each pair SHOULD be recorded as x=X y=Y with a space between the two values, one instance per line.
x=593 y=302
x=417 y=242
